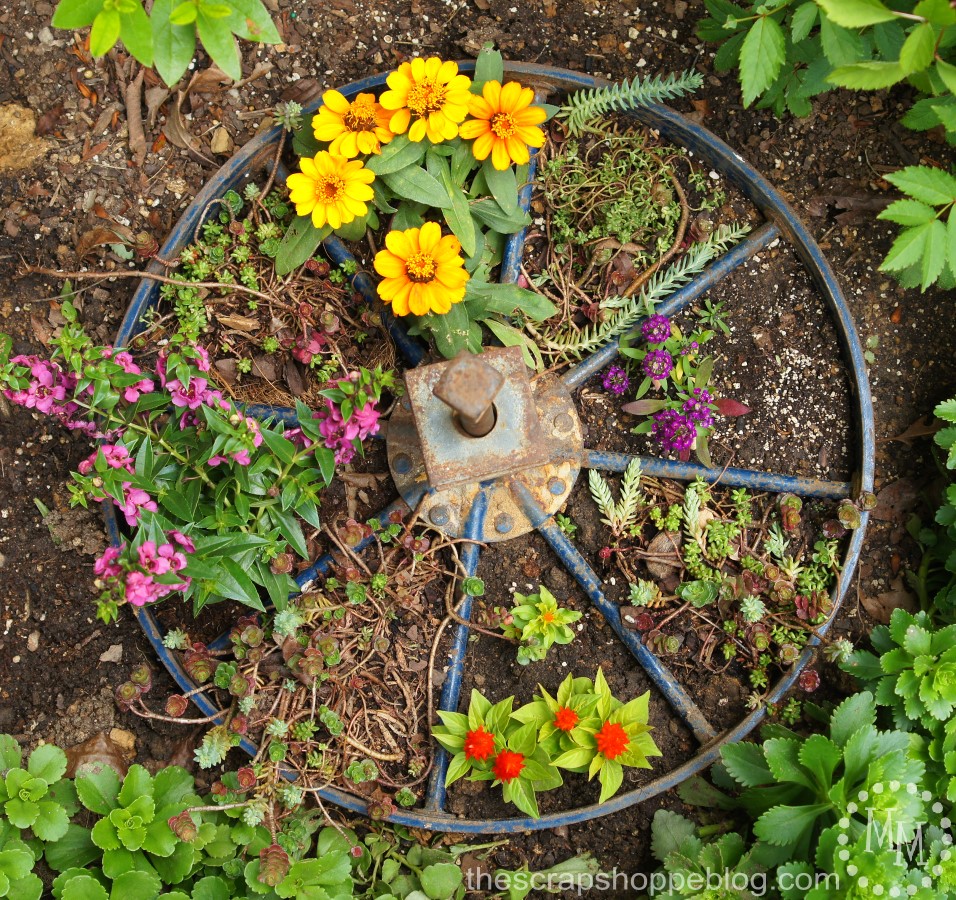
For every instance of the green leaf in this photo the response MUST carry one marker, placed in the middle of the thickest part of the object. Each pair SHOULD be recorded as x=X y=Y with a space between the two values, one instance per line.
x=856 y=13
x=947 y=72
x=782 y=755
x=441 y=880
x=290 y=529
x=458 y=216
x=851 y=715
x=908 y=212
x=139 y=884
x=783 y=826
x=279 y=445
x=234 y=584
x=908 y=248
x=251 y=21
x=172 y=784
x=512 y=337
x=804 y=18
x=919 y=49
x=299 y=244
x=840 y=45
x=97 y=787
x=924 y=183
x=219 y=44
x=746 y=764
x=414 y=183
x=951 y=241
x=105 y=32
x=669 y=832
x=522 y=796
x=503 y=186
x=74 y=849
x=934 y=253
x=76 y=13
x=47 y=762
x=137 y=783
x=507 y=299
x=761 y=57
x=396 y=155
x=10 y=753
x=52 y=823
x=489 y=66
x=867 y=76
x=489 y=213
x=184 y=13
x=136 y=32
x=611 y=777
x=84 y=887
x=173 y=45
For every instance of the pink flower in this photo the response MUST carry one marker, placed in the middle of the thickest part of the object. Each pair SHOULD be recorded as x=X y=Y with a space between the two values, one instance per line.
x=253 y=427
x=241 y=457
x=150 y=559
x=126 y=361
x=339 y=434
x=141 y=589
x=135 y=500
x=297 y=437
x=367 y=419
x=200 y=358
x=169 y=554
x=183 y=540
x=190 y=396
x=132 y=392
x=106 y=566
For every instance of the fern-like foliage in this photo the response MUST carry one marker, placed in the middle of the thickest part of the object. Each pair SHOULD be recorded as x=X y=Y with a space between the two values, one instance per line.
x=620 y=515
x=776 y=544
x=624 y=312
x=583 y=106
x=692 y=513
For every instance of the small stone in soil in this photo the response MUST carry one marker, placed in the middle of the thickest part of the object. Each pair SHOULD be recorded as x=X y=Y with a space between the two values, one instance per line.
x=113 y=655
x=33 y=641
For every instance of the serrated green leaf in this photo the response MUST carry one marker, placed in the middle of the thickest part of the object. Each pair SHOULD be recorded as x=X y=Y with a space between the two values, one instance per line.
x=925 y=183
x=762 y=55
x=947 y=73
x=851 y=715
x=867 y=76
x=934 y=253
x=746 y=764
x=908 y=212
x=841 y=46
x=97 y=787
x=856 y=13
x=47 y=762
x=784 y=826
x=669 y=833
x=908 y=248
x=804 y=18
x=919 y=49
x=782 y=756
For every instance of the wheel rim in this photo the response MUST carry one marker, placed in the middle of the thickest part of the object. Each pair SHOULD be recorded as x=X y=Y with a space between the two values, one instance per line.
x=782 y=222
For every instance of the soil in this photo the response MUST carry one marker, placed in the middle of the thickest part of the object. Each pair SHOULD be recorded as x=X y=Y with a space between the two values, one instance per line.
x=80 y=174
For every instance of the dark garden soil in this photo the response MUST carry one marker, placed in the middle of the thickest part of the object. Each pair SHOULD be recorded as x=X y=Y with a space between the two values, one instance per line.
x=78 y=173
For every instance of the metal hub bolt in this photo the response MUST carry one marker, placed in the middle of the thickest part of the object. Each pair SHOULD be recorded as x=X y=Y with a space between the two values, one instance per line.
x=469 y=386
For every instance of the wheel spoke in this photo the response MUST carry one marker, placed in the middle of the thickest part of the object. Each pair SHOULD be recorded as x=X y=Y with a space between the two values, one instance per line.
x=747 y=478
x=677 y=301
x=514 y=246
x=451 y=690
x=585 y=576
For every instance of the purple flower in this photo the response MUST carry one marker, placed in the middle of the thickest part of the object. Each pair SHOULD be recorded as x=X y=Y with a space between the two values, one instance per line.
x=698 y=408
x=673 y=430
x=616 y=380
x=656 y=329
x=692 y=347
x=658 y=364
x=191 y=396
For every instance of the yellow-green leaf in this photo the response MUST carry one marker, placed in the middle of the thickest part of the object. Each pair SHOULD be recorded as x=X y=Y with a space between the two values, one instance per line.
x=761 y=57
x=105 y=32
x=856 y=13
x=918 y=49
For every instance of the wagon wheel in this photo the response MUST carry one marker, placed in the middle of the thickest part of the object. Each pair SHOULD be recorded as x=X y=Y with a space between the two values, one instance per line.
x=503 y=506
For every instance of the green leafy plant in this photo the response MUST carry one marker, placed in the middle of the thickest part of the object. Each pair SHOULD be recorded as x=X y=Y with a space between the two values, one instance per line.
x=621 y=514
x=166 y=36
x=537 y=623
x=36 y=797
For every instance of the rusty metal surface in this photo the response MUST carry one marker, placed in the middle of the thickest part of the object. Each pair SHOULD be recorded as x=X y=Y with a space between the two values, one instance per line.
x=469 y=386
x=452 y=456
x=559 y=443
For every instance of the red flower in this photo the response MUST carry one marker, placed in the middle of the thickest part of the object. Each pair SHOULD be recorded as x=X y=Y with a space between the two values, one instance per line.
x=479 y=744
x=508 y=765
x=612 y=740
x=565 y=718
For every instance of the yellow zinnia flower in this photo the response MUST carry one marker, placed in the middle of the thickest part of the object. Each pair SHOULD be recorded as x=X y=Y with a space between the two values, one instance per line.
x=432 y=93
x=421 y=271
x=353 y=128
x=332 y=189
x=505 y=124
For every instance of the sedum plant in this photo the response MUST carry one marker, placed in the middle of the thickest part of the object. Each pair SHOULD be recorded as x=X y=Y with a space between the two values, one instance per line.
x=538 y=623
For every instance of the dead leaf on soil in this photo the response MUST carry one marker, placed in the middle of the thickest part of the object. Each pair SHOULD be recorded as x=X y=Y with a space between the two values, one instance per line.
x=113 y=655
x=665 y=550
x=293 y=378
x=98 y=750
x=239 y=323
x=155 y=98
x=881 y=607
x=264 y=367
x=228 y=369
x=922 y=427
x=41 y=328
x=101 y=236
x=183 y=754
x=20 y=148
x=48 y=122
x=208 y=81
x=896 y=501
x=178 y=134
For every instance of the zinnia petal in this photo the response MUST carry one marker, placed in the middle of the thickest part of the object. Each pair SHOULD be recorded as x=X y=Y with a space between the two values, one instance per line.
x=336 y=102
x=473 y=128
x=399 y=242
x=499 y=156
x=483 y=144
x=429 y=236
x=510 y=94
x=388 y=265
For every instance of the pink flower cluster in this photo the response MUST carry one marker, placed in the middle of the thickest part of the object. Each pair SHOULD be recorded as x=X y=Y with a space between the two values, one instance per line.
x=116 y=456
x=47 y=392
x=132 y=392
x=339 y=434
x=133 y=576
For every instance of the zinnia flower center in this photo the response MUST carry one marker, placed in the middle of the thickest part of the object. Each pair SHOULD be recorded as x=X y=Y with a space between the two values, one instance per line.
x=612 y=740
x=329 y=188
x=426 y=98
x=503 y=124
x=420 y=267
x=361 y=115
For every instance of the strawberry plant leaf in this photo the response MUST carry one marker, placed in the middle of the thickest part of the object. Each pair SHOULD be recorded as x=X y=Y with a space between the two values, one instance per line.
x=934 y=253
x=840 y=45
x=908 y=212
x=804 y=18
x=867 y=76
x=762 y=55
x=919 y=49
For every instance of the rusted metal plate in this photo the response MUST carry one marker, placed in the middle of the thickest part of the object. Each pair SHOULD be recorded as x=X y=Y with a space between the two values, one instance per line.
x=549 y=482
x=451 y=455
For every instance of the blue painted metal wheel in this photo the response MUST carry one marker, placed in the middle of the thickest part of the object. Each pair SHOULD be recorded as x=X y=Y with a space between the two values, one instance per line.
x=781 y=222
